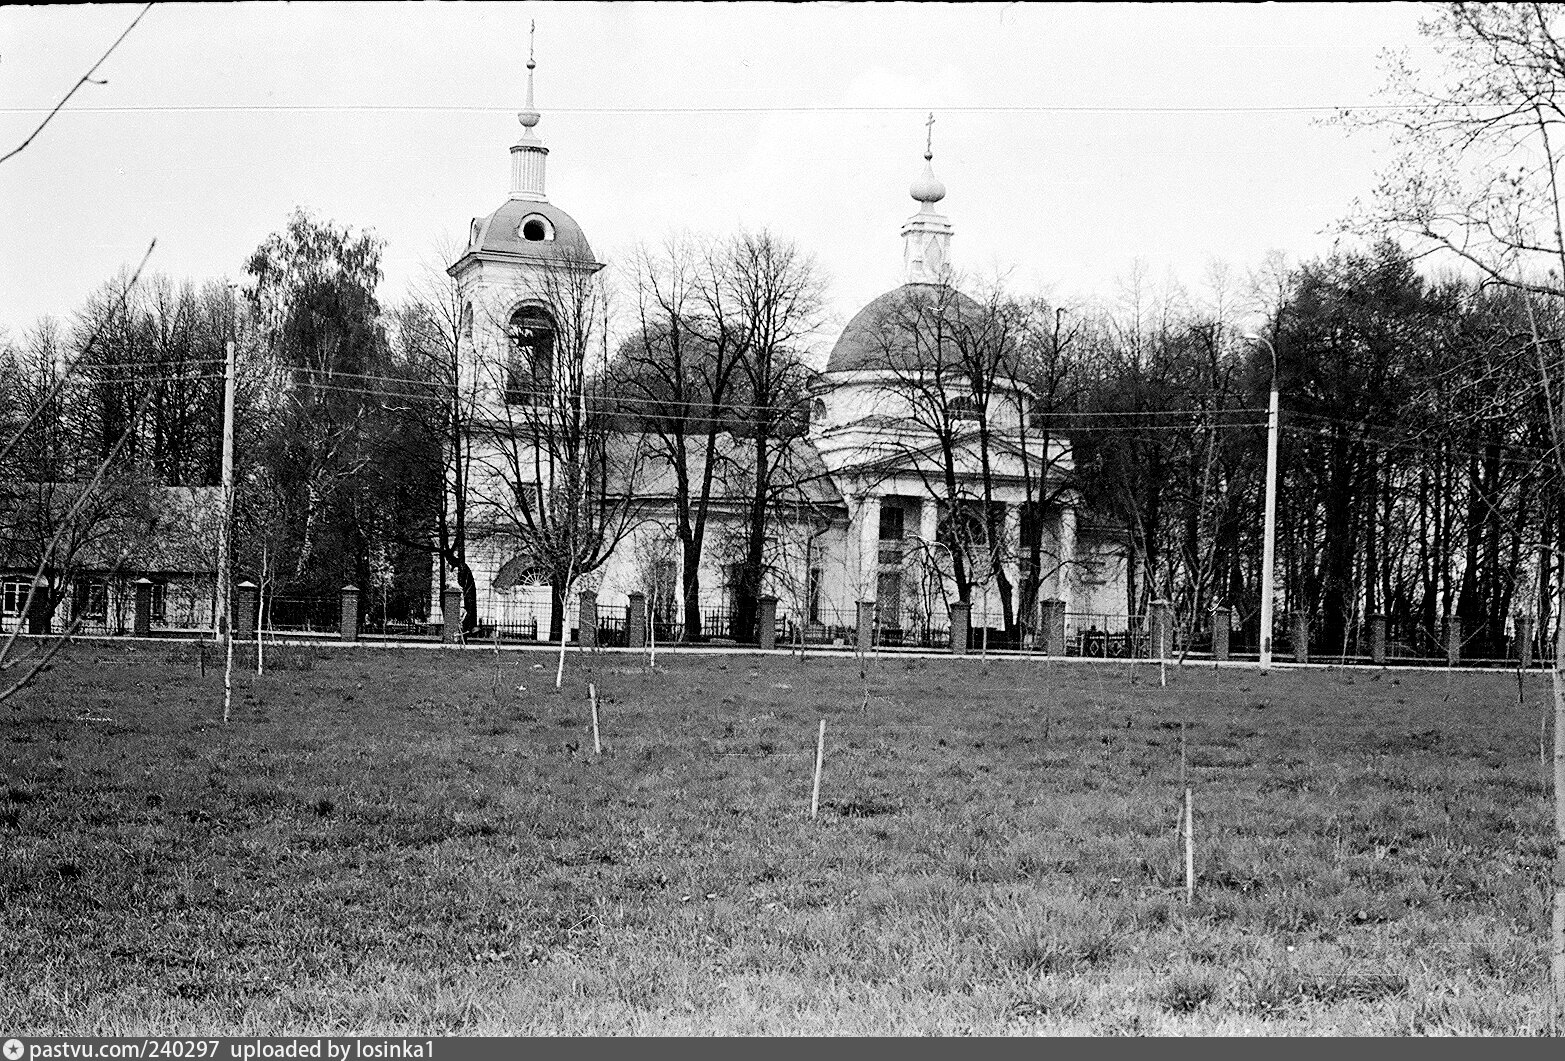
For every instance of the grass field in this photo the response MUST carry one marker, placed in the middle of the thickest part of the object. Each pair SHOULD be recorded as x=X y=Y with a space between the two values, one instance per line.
x=424 y=841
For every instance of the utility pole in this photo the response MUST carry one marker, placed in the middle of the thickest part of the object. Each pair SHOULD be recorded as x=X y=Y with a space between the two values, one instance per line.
x=225 y=572
x=1269 y=540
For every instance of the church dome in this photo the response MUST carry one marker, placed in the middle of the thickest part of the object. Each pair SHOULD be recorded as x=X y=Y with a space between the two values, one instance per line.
x=879 y=335
x=927 y=189
x=538 y=231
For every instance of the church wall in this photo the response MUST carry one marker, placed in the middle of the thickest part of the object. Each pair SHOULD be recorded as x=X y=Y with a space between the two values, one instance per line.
x=650 y=560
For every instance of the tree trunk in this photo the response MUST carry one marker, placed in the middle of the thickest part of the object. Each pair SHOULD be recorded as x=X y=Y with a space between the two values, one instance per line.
x=690 y=587
x=556 y=608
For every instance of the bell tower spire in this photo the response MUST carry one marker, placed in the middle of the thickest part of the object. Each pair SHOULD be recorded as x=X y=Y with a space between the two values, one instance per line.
x=926 y=236
x=528 y=154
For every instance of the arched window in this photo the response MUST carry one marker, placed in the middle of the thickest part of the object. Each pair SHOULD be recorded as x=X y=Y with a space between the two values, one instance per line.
x=467 y=323
x=963 y=407
x=519 y=572
x=531 y=333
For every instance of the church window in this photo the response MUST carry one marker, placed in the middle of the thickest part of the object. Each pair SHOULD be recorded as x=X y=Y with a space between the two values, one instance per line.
x=663 y=590
x=535 y=228
x=964 y=407
x=467 y=322
x=518 y=572
x=960 y=526
x=532 y=355
x=818 y=410
x=892 y=523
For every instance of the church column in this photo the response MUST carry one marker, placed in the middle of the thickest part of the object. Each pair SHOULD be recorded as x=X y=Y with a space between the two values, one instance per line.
x=1065 y=550
x=1011 y=528
x=928 y=519
x=869 y=547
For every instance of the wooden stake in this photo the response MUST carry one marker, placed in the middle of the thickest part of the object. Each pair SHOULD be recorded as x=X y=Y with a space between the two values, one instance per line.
x=1557 y=941
x=820 y=755
x=1189 y=849
x=597 y=746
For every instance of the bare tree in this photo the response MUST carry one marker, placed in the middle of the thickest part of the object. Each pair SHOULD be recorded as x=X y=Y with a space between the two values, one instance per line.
x=761 y=296
x=59 y=507
x=677 y=372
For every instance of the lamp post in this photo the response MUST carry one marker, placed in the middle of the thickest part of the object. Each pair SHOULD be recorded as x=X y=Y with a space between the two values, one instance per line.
x=1269 y=539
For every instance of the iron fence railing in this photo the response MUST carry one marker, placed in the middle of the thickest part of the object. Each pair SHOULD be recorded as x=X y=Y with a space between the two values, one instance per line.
x=299 y=614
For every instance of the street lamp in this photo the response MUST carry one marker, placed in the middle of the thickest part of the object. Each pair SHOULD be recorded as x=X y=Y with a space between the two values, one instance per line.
x=1269 y=540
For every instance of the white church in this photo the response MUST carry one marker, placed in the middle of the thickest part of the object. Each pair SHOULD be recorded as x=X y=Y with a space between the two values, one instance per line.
x=873 y=524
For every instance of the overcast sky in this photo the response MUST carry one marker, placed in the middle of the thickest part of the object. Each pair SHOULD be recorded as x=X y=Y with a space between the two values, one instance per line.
x=1072 y=139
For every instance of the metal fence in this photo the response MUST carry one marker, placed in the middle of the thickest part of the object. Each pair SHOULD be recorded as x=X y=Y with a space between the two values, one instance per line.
x=286 y=614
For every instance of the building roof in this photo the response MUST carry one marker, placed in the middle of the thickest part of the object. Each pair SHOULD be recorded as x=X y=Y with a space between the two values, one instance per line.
x=736 y=457
x=881 y=335
x=501 y=233
x=165 y=530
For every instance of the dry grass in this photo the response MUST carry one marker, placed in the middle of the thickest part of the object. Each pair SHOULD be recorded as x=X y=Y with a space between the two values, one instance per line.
x=396 y=842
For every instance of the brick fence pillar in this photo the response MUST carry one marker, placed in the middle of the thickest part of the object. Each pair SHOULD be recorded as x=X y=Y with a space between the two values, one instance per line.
x=1053 y=616
x=451 y=611
x=1453 y=641
x=865 y=637
x=1377 y=639
x=348 y=618
x=1301 y=637
x=587 y=619
x=961 y=623
x=766 y=622
x=636 y=622
x=247 y=610
x=1524 y=625
x=1222 y=624
x=141 y=615
x=1162 y=630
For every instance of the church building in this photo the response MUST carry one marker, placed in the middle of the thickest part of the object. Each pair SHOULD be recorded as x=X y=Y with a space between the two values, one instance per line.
x=906 y=502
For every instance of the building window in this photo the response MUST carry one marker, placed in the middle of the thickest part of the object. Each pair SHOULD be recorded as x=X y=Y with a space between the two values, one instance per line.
x=733 y=577
x=888 y=598
x=960 y=526
x=812 y=594
x=663 y=593
x=892 y=521
x=535 y=228
x=92 y=599
x=15 y=596
x=518 y=572
x=159 y=597
x=531 y=333
x=964 y=407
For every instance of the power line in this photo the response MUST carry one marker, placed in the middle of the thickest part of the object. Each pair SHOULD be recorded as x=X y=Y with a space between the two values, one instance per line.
x=1074 y=423
x=456 y=108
